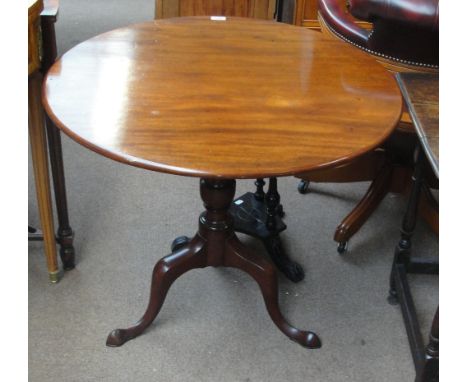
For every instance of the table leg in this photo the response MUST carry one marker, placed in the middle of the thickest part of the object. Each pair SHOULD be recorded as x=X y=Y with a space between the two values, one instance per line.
x=292 y=270
x=41 y=173
x=425 y=358
x=64 y=231
x=259 y=215
x=259 y=193
x=165 y=272
x=403 y=249
x=215 y=244
x=430 y=369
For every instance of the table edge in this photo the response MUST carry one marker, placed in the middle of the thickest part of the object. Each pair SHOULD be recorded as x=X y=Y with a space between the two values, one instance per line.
x=434 y=162
x=165 y=168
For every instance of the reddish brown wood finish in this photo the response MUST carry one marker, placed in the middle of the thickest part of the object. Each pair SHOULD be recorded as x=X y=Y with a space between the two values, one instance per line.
x=260 y=9
x=214 y=245
x=366 y=206
x=240 y=98
x=421 y=94
x=306 y=14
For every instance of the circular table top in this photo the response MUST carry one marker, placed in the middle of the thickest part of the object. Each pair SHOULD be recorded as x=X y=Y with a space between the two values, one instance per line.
x=229 y=98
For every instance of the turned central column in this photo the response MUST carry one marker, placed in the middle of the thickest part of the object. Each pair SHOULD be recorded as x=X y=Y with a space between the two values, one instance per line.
x=216 y=223
x=215 y=244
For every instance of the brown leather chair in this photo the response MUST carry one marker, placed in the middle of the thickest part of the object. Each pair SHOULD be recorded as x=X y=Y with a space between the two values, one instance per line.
x=404 y=37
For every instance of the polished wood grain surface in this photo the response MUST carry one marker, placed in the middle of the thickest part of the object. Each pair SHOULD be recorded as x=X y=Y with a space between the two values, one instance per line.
x=421 y=94
x=261 y=9
x=240 y=98
x=306 y=13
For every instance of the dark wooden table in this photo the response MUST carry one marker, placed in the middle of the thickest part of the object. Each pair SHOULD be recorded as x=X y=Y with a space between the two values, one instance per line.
x=421 y=94
x=221 y=100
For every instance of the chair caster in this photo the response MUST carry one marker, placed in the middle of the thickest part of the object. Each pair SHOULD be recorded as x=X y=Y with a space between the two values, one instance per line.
x=303 y=186
x=179 y=242
x=342 y=247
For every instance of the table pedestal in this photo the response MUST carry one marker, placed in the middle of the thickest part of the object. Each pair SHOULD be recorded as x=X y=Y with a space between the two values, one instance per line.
x=260 y=215
x=215 y=244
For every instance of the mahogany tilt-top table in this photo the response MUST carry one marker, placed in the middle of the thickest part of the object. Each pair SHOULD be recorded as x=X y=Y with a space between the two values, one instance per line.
x=221 y=99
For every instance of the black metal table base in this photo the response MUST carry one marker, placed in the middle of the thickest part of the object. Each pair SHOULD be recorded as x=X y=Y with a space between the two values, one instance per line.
x=250 y=218
x=259 y=215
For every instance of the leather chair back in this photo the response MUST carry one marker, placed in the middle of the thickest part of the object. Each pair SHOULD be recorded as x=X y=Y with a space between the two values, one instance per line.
x=405 y=32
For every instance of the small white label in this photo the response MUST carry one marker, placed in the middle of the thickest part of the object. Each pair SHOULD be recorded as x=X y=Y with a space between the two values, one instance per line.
x=238 y=202
x=218 y=18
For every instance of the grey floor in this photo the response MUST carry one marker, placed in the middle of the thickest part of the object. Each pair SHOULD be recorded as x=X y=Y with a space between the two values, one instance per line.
x=213 y=326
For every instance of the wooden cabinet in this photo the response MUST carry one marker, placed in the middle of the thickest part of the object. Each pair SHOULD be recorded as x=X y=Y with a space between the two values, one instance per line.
x=261 y=9
x=304 y=13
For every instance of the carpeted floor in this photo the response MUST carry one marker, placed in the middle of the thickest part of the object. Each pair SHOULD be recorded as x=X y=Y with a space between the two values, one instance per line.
x=213 y=326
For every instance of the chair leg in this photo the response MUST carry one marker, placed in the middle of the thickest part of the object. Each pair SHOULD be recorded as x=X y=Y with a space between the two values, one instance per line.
x=64 y=231
x=357 y=217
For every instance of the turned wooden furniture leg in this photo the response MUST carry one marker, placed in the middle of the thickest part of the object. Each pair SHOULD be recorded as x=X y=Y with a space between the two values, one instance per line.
x=290 y=268
x=403 y=249
x=429 y=209
x=425 y=358
x=41 y=172
x=215 y=244
x=367 y=205
x=64 y=231
x=259 y=193
x=430 y=369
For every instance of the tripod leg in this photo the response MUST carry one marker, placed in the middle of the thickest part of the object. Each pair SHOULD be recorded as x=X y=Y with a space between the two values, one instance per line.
x=165 y=272
x=263 y=272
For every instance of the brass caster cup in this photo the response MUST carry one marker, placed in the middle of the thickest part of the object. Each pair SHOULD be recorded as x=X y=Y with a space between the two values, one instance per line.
x=54 y=277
